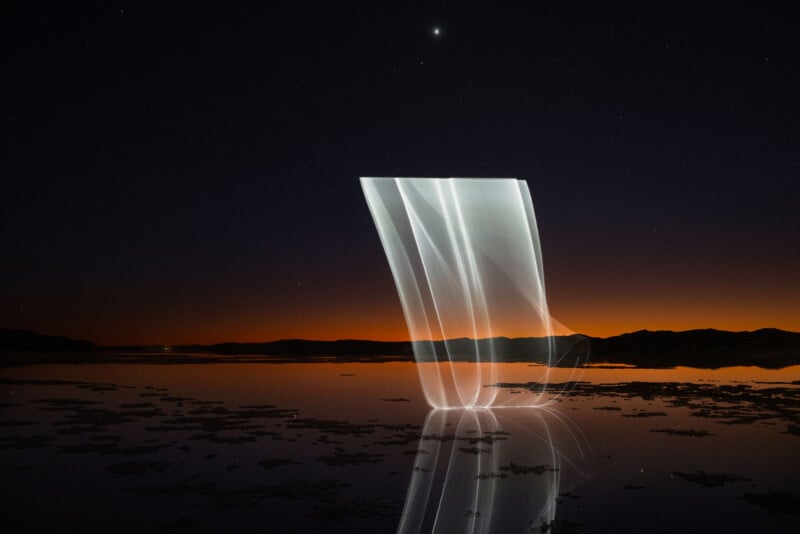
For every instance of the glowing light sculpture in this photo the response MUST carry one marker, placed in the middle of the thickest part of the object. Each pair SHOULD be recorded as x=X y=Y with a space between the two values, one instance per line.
x=467 y=263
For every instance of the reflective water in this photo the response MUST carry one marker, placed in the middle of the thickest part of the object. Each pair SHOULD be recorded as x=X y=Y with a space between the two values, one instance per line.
x=354 y=448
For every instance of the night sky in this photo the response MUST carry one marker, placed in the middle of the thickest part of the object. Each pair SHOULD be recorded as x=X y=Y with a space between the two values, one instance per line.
x=190 y=174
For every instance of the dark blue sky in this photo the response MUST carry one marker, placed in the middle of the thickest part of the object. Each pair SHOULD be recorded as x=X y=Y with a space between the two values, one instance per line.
x=189 y=173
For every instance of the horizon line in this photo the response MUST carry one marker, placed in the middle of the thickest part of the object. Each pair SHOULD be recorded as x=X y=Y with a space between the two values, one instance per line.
x=366 y=340
x=643 y=330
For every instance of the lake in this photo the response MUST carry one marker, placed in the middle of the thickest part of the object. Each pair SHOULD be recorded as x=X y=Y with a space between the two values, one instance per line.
x=353 y=447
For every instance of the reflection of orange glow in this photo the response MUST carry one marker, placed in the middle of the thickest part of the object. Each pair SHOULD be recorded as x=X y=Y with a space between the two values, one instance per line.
x=328 y=385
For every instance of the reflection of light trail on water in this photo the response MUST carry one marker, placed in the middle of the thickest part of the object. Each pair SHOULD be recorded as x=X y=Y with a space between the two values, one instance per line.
x=467 y=263
x=481 y=471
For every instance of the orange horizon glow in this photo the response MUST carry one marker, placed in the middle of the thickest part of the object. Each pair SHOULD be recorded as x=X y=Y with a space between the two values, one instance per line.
x=598 y=308
x=246 y=332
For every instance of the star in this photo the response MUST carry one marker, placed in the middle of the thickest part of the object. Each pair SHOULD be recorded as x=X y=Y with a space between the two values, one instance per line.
x=436 y=31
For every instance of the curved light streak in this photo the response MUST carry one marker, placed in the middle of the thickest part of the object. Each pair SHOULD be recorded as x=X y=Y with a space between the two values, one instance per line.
x=467 y=262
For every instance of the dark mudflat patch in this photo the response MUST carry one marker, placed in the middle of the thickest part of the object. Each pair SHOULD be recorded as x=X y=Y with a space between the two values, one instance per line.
x=100 y=388
x=690 y=432
x=335 y=427
x=17 y=422
x=730 y=404
x=271 y=463
x=516 y=469
x=124 y=469
x=63 y=404
x=105 y=437
x=487 y=438
x=217 y=424
x=37 y=441
x=213 y=437
x=560 y=526
x=137 y=405
x=475 y=450
x=775 y=502
x=111 y=448
x=710 y=480
x=340 y=458
x=399 y=399
x=487 y=476
x=340 y=508
x=83 y=417
x=404 y=437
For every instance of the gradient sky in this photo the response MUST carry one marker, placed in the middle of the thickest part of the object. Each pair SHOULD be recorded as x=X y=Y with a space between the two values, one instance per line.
x=189 y=174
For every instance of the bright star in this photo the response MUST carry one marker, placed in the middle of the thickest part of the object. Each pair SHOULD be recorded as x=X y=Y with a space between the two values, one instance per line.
x=436 y=31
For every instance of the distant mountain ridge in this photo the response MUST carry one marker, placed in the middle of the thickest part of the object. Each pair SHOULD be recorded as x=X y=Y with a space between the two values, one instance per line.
x=767 y=347
x=11 y=339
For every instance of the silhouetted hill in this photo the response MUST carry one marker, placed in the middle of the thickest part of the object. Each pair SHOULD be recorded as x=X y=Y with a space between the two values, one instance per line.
x=25 y=340
x=769 y=348
x=304 y=347
x=523 y=349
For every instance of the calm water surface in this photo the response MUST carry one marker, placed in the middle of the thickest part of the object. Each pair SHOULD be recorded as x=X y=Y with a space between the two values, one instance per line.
x=353 y=447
